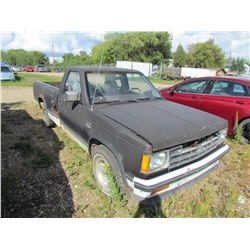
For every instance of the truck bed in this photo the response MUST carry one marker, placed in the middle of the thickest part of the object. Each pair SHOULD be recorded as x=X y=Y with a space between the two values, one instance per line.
x=47 y=92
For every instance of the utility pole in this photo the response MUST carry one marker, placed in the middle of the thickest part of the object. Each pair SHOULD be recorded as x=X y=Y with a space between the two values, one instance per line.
x=53 y=57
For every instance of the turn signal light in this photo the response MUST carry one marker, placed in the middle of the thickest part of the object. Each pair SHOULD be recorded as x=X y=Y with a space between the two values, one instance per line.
x=159 y=189
x=145 y=164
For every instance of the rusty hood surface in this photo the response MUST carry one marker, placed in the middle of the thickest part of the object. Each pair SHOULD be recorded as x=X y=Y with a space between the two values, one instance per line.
x=163 y=124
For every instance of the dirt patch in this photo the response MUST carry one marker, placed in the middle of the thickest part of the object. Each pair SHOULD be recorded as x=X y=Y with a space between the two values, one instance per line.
x=16 y=94
x=33 y=182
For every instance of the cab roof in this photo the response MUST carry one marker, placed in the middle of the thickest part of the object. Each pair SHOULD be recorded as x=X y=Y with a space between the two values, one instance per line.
x=104 y=69
x=239 y=79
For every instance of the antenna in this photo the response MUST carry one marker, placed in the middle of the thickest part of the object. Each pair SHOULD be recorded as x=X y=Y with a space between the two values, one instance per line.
x=98 y=74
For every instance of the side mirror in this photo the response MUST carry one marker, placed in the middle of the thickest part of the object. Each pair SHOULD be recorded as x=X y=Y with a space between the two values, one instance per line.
x=72 y=96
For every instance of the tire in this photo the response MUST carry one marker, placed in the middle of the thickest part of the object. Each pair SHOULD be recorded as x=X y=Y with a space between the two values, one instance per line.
x=101 y=154
x=48 y=122
x=244 y=128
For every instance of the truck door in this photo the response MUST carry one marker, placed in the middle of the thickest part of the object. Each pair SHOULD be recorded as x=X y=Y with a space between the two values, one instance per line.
x=73 y=114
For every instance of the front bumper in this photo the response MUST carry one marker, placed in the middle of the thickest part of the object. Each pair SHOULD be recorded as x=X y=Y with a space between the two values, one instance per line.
x=169 y=183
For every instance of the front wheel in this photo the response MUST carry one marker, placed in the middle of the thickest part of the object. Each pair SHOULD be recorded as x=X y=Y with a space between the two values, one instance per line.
x=244 y=128
x=106 y=170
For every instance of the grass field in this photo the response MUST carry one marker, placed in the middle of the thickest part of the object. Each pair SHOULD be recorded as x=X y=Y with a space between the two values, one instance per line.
x=156 y=79
x=45 y=174
x=26 y=79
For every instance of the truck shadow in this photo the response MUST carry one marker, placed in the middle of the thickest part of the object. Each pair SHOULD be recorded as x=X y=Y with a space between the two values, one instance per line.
x=150 y=209
x=33 y=182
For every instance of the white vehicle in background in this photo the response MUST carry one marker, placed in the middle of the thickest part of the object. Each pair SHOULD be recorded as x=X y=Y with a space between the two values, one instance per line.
x=6 y=74
x=16 y=68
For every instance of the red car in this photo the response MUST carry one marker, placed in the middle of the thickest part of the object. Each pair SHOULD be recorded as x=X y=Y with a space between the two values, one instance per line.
x=28 y=69
x=221 y=96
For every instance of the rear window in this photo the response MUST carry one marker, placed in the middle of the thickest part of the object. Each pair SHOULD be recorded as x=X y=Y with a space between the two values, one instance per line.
x=229 y=89
x=5 y=69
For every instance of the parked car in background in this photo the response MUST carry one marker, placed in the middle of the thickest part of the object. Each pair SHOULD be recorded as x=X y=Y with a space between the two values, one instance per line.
x=227 y=97
x=58 y=70
x=42 y=68
x=6 y=74
x=28 y=69
x=16 y=68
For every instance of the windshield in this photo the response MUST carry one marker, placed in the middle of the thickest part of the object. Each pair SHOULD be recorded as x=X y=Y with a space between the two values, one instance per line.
x=119 y=87
x=5 y=69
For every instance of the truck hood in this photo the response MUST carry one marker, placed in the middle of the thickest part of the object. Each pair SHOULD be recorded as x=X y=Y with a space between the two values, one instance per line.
x=164 y=124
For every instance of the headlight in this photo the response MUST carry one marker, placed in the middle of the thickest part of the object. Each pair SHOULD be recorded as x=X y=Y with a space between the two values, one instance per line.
x=222 y=134
x=156 y=162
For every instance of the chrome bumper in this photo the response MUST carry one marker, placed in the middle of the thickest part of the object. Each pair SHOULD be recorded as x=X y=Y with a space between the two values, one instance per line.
x=169 y=183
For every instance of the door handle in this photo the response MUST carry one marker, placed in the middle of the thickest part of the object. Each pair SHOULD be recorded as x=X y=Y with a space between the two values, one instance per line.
x=194 y=97
x=240 y=102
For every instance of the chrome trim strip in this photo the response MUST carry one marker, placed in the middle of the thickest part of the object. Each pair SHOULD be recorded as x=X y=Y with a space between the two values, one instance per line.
x=183 y=170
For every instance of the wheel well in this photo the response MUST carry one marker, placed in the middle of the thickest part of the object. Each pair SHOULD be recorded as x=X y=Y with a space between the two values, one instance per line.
x=94 y=142
x=245 y=118
x=39 y=101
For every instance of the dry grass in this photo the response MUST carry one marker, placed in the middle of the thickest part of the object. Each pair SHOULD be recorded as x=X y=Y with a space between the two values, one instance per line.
x=46 y=174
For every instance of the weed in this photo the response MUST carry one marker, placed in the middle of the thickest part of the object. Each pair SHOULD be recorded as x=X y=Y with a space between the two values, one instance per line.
x=236 y=132
x=87 y=183
x=115 y=190
x=73 y=166
x=202 y=209
x=231 y=201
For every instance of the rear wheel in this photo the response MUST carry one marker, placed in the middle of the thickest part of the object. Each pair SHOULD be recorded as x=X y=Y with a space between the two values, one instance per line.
x=48 y=122
x=244 y=128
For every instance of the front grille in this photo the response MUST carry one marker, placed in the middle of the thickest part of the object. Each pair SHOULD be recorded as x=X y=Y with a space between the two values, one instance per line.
x=184 y=154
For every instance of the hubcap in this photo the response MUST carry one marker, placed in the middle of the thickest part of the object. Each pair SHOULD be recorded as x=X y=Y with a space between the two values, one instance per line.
x=100 y=167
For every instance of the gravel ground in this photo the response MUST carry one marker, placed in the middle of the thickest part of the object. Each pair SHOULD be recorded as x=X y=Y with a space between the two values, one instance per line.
x=16 y=94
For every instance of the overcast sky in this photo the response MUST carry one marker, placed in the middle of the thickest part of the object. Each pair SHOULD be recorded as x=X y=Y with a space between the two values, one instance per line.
x=236 y=43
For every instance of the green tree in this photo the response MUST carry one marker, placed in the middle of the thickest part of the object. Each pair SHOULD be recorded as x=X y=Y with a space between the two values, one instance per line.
x=153 y=47
x=237 y=64
x=205 y=55
x=70 y=59
x=21 y=57
x=179 y=57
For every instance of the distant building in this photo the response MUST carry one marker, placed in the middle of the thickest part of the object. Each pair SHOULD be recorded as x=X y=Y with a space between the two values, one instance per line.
x=145 y=68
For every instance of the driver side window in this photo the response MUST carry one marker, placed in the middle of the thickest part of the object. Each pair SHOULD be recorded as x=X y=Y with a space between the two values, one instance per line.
x=192 y=87
x=73 y=82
